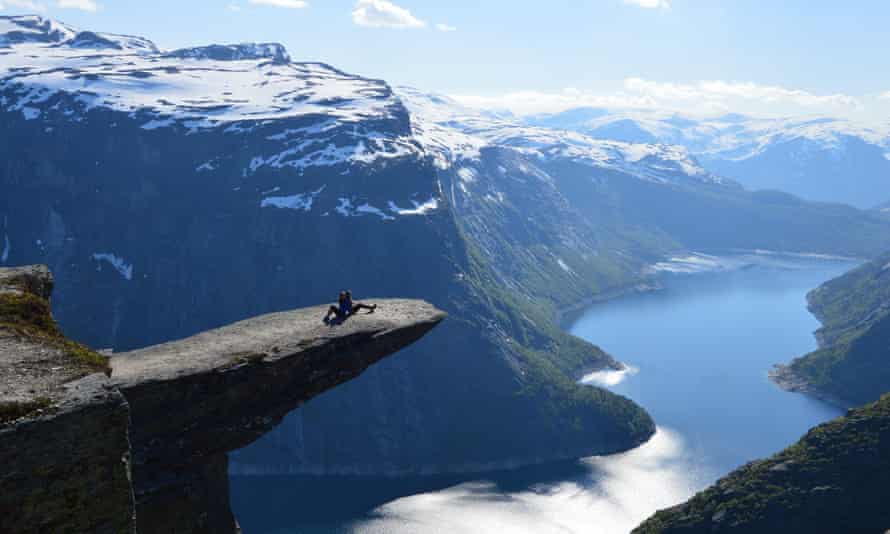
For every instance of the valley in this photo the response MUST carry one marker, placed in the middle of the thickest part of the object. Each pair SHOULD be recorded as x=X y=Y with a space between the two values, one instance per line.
x=618 y=283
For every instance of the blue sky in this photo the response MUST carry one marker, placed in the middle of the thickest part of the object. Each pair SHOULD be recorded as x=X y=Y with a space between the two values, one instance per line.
x=758 y=56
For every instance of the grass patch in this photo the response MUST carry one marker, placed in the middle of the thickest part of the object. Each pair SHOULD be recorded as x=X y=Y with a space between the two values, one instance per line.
x=31 y=317
x=10 y=411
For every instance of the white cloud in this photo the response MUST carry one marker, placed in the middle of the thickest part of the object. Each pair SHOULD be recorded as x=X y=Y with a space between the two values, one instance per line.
x=30 y=5
x=884 y=96
x=290 y=4
x=83 y=5
x=529 y=102
x=384 y=14
x=707 y=97
x=650 y=4
x=233 y=7
x=723 y=90
x=445 y=28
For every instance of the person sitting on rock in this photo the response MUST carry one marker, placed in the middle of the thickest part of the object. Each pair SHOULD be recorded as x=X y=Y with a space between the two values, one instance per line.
x=346 y=307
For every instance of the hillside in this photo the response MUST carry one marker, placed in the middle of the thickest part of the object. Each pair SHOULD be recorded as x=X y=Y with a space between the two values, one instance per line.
x=853 y=361
x=833 y=480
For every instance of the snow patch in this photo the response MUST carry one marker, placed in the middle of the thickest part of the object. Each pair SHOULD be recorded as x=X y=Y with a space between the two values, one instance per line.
x=206 y=167
x=31 y=113
x=344 y=207
x=694 y=263
x=300 y=201
x=119 y=264
x=419 y=208
x=369 y=209
x=467 y=174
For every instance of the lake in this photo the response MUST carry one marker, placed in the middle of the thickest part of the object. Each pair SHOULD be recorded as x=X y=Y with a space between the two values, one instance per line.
x=698 y=354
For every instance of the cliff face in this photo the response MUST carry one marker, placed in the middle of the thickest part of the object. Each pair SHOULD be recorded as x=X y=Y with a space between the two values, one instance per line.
x=63 y=436
x=833 y=480
x=174 y=409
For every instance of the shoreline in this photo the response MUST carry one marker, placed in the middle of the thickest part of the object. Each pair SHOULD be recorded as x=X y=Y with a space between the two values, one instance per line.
x=786 y=379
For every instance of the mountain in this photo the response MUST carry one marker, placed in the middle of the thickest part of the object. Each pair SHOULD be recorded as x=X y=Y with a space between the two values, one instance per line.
x=833 y=480
x=175 y=191
x=822 y=159
x=172 y=192
x=853 y=361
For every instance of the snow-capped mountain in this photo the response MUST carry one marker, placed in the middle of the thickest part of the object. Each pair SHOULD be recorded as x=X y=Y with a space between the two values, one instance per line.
x=444 y=123
x=175 y=191
x=823 y=159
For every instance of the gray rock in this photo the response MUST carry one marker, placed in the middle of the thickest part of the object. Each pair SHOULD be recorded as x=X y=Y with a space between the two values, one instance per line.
x=154 y=436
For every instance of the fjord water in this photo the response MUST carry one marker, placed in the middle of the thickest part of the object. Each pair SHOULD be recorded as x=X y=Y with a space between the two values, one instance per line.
x=699 y=352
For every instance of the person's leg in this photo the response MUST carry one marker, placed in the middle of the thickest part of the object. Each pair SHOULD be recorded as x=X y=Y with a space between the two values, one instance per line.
x=333 y=310
x=360 y=306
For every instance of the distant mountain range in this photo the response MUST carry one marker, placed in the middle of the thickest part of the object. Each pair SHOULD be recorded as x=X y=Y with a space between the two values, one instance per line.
x=175 y=191
x=823 y=159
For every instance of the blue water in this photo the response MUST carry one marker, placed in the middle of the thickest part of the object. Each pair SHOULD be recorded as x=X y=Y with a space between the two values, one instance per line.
x=700 y=350
x=703 y=347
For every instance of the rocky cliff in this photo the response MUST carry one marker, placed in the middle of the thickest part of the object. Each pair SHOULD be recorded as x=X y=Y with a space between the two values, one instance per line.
x=90 y=444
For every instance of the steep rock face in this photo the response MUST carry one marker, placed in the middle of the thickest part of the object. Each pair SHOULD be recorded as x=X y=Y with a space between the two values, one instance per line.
x=69 y=435
x=833 y=480
x=852 y=364
x=194 y=400
x=63 y=439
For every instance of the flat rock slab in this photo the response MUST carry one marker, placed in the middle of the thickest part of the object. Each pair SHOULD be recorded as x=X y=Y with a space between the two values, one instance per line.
x=265 y=339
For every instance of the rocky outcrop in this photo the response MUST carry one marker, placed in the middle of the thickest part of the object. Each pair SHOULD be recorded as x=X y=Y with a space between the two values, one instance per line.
x=194 y=400
x=63 y=437
x=166 y=414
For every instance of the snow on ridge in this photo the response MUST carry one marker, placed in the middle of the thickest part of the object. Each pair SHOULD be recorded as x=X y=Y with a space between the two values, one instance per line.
x=202 y=87
x=36 y=29
x=453 y=132
x=119 y=264
x=234 y=52
x=328 y=117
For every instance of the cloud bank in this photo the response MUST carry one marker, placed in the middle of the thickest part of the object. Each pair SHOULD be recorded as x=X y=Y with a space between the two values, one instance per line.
x=702 y=97
x=384 y=14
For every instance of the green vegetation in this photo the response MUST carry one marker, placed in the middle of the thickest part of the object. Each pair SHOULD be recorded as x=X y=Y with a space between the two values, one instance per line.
x=30 y=316
x=10 y=411
x=854 y=361
x=551 y=359
x=833 y=480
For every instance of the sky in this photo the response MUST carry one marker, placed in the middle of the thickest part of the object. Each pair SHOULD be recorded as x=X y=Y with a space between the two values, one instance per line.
x=794 y=57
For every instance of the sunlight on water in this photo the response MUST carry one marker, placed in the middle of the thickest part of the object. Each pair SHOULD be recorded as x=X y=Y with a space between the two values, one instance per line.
x=616 y=494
